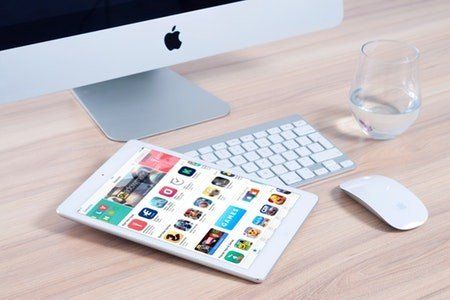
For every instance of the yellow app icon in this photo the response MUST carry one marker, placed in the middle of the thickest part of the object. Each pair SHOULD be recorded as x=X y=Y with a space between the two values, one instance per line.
x=211 y=191
x=173 y=236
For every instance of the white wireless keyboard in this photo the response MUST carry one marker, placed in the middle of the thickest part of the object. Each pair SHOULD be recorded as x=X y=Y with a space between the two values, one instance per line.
x=288 y=151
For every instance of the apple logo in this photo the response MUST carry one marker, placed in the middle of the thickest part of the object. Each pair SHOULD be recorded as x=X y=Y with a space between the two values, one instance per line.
x=172 y=39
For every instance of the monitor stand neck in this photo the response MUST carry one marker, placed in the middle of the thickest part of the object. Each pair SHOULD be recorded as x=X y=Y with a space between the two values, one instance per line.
x=147 y=104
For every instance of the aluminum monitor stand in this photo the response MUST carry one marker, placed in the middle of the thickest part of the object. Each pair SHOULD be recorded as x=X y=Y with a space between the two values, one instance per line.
x=148 y=103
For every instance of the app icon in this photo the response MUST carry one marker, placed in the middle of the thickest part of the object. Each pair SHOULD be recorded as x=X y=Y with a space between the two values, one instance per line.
x=106 y=218
x=243 y=244
x=98 y=212
x=230 y=217
x=250 y=195
x=184 y=225
x=261 y=221
x=286 y=192
x=158 y=202
x=234 y=257
x=277 y=199
x=148 y=213
x=173 y=236
x=186 y=171
x=192 y=213
x=252 y=232
x=137 y=224
x=211 y=192
x=168 y=191
x=103 y=207
x=227 y=174
x=220 y=181
x=269 y=210
x=211 y=241
x=111 y=212
x=177 y=181
x=202 y=202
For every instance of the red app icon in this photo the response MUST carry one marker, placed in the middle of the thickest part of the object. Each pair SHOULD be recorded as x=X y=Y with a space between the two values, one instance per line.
x=137 y=224
x=168 y=191
x=102 y=207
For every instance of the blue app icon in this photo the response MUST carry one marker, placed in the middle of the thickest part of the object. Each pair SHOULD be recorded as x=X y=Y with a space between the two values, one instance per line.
x=158 y=202
x=148 y=213
x=230 y=217
x=258 y=220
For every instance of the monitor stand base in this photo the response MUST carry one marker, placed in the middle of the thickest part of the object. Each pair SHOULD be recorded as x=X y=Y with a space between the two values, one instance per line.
x=147 y=104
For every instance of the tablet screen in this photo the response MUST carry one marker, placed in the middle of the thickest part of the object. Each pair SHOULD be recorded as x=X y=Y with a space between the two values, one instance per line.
x=191 y=205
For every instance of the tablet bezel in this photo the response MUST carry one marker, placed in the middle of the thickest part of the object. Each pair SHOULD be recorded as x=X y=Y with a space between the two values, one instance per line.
x=257 y=271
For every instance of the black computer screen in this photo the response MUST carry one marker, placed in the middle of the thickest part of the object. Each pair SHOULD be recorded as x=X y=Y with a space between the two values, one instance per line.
x=24 y=22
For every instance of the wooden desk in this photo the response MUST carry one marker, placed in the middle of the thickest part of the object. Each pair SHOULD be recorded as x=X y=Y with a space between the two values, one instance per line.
x=50 y=146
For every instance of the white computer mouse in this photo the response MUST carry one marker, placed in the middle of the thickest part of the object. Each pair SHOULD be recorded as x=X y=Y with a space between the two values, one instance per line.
x=389 y=200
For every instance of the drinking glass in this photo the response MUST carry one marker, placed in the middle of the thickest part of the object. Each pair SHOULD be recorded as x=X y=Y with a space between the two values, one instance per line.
x=385 y=94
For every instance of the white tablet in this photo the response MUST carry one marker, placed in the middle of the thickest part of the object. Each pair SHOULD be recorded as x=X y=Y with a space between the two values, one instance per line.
x=192 y=209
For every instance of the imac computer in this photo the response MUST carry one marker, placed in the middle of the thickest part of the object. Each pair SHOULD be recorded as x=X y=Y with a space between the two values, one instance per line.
x=114 y=54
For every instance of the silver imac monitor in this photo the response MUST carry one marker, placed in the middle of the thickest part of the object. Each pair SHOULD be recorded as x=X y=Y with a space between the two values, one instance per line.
x=114 y=54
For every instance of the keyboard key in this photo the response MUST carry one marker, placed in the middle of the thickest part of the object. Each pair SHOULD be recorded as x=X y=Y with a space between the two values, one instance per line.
x=275 y=181
x=288 y=135
x=265 y=174
x=264 y=152
x=305 y=173
x=321 y=171
x=346 y=163
x=279 y=169
x=275 y=138
x=236 y=150
x=277 y=159
x=290 y=178
x=303 y=141
x=238 y=170
x=315 y=147
x=263 y=142
x=292 y=165
x=209 y=157
x=192 y=153
x=331 y=165
x=291 y=144
x=247 y=138
x=305 y=161
x=249 y=146
x=287 y=126
x=263 y=163
x=290 y=155
x=299 y=123
x=277 y=148
x=233 y=142
x=274 y=130
x=303 y=151
x=251 y=156
x=325 y=143
x=325 y=155
x=238 y=160
x=249 y=167
x=219 y=146
x=205 y=150
x=260 y=134
x=225 y=163
x=303 y=130
x=315 y=136
x=222 y=154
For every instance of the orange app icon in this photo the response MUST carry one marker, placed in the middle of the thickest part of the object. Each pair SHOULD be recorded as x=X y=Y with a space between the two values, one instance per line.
x=277 y=199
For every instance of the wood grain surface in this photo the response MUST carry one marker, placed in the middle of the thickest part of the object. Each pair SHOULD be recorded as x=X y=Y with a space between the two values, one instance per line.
x=49 y=146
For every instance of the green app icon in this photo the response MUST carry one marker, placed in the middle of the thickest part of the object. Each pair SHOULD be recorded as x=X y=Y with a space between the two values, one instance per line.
x=234 y=257
x=109 y=211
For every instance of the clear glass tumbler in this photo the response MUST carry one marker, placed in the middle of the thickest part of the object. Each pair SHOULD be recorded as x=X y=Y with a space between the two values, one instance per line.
x=385 y=94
